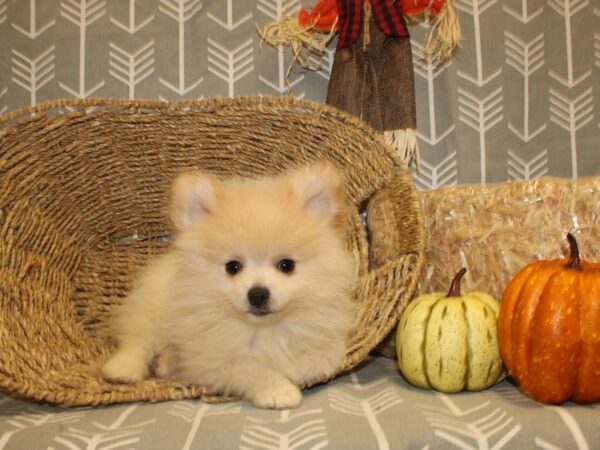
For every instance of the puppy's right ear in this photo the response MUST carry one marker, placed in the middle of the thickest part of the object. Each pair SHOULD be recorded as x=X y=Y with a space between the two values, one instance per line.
x=192 y=198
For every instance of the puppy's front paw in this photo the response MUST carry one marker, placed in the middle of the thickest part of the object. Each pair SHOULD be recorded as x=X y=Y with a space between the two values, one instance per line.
x=279 y=396
x=164 y=363
x=124 y=368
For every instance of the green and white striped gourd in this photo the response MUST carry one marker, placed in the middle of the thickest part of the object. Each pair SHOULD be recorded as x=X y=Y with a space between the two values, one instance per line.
x=449 y=342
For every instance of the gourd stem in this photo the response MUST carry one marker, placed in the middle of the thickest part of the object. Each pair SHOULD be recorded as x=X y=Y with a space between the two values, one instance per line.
x=455 y=286
x=574 y=262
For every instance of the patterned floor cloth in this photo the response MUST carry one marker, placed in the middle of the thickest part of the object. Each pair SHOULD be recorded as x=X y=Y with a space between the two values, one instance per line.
x=371 y=408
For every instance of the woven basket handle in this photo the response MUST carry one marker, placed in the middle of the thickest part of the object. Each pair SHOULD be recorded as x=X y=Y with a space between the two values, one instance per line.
x=395 y=221
x=396 y=252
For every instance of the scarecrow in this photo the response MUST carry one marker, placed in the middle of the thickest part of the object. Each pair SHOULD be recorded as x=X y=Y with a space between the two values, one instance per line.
x=372 y=75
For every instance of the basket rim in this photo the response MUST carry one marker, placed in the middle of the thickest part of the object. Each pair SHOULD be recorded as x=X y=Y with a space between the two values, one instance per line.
x=274 y=100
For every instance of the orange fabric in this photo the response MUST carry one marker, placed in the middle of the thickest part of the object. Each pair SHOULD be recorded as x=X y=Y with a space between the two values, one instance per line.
x=325 y=13
x=412 y=7
x=322 y=17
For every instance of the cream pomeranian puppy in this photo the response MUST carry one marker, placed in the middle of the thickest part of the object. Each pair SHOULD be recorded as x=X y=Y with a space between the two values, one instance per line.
x=254 y=298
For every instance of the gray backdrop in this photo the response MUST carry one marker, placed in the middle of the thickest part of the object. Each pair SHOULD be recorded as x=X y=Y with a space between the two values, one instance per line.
x=520 y=100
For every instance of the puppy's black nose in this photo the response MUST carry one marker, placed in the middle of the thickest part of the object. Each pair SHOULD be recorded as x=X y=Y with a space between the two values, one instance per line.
x=258 y=296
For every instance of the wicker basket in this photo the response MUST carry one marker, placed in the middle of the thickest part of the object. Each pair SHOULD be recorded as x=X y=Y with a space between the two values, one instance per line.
x=83 y=190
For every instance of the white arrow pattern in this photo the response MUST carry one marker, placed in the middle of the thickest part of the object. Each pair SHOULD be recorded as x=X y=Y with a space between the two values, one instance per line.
x=276 y=9
x=324 y=63
x=572 y=426
x=32 y=74
x=430 y=176
x=479 y=427
x=571 y=115
x=526 y=58
x=372 y=407
x=283 y=83
x=522 y=169
x=82 y=14
x=36 y=417
x=567 y=9
x=195 y=413
x=524 y=15
x=181 y=11
x=262 y=434
x=426 y=68
x=132 y=68
x=526 y=47
x=230 y=65
x=481 y=115
x=3 y=10
x=476 y=8
x=131 y=26
x=33 y=32
x=369 y=408
x=111 y=436
x=229 y=24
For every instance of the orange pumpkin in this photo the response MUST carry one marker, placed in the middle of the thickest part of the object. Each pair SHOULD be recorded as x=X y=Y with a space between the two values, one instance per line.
x=549 y=329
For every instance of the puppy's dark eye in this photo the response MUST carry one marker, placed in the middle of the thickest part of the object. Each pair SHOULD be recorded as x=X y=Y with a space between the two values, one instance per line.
x=286 y=265
x=233 y=267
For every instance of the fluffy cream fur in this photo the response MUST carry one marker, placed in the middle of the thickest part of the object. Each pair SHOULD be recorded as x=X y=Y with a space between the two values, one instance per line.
x=187 y=301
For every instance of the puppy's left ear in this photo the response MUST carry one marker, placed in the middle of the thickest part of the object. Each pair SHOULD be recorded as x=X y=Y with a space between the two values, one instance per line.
x=319 y=188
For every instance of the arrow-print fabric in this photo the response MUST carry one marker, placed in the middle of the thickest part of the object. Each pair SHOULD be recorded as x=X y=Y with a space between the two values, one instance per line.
x=520 y=100
x=372 y=408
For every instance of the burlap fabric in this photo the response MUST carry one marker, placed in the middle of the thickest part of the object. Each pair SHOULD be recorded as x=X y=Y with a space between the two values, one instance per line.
x=375 y=83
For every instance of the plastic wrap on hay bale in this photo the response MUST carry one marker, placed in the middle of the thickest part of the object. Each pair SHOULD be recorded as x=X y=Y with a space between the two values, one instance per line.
x=83 y=191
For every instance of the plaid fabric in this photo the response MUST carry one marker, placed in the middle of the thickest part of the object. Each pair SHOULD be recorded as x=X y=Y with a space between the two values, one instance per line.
x=387 y=15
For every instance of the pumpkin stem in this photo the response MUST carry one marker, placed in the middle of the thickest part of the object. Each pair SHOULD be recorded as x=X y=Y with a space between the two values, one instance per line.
x=574 y=261
x=455 y=286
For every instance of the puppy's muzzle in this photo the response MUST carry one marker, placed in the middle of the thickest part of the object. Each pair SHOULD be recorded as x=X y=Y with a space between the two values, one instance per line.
x=258 y=298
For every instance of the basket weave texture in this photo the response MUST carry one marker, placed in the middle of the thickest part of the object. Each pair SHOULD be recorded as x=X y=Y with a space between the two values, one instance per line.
x=83 y=200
